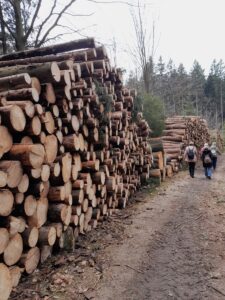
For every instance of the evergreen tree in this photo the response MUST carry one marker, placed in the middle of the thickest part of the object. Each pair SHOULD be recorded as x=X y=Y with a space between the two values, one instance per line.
x=153 y=113
x=197 y=83
x=183 y=93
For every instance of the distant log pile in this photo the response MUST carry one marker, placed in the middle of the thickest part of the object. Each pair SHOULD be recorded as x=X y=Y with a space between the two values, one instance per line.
x=163 y=166
x=219 y=141
x=69 y=151
x=179 y=131
x=216 y=136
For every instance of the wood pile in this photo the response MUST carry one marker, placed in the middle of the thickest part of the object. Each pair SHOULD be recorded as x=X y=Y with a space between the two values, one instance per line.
x=179 y=131
x=69 y=151
x=165 y=166
x=216 y=136
x=219 y=141
x=158 y=171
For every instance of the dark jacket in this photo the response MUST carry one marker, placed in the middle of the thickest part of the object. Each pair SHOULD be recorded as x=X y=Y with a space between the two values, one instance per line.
x=208 y=152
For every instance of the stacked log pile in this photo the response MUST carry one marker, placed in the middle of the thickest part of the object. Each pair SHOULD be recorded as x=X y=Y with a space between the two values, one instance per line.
x=219 y=141
x=163 y=166
x=179 y=131
x=69 y=151
x=158 y=170
x=216 y=136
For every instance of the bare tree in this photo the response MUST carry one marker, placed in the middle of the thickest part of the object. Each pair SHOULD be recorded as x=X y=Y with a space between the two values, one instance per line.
x=144 y=49
x=21 y=22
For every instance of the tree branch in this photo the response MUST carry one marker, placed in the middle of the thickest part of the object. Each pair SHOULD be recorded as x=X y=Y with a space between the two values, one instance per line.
x=9 y=29
x=75 y=15
x=57 y=36
x=31 y=27
x=78 y=31
x=45 y=21
x=113 y=2
x=75 y=30
x=55 y=23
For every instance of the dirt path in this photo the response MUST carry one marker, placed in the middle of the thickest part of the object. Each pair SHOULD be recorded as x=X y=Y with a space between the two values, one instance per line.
x=176 y=247
x=167 y=246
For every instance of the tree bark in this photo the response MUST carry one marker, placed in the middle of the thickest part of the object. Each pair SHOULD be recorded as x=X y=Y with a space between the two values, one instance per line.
x=46 y=73
x=54 y=49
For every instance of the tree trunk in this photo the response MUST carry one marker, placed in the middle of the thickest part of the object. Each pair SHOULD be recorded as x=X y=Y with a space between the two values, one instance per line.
x=3 y=33
x=53 y=49
x=20 y=39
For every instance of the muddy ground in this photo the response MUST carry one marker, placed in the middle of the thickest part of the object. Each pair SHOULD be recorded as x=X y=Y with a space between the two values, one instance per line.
x=169 y=244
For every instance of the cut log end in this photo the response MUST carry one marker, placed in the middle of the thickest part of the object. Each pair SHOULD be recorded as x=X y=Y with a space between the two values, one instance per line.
x=4 y=239
x=6 y=202
x=5 y=282
x=30 y=260
x=5 y=140
x=17 y=118
x=14 y=250
x=55 y=71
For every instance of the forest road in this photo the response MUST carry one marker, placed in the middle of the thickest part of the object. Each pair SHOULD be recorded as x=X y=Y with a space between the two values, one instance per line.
x=175 y=246
x=169 y=244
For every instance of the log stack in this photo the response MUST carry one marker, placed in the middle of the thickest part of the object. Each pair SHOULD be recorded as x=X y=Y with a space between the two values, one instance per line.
x=69 y=151
x=158 y=171
x=216 y=136
x=179 y=131
x=219 y=141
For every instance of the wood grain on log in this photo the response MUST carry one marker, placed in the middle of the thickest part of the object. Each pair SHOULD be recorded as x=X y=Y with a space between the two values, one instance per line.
x=5 y=282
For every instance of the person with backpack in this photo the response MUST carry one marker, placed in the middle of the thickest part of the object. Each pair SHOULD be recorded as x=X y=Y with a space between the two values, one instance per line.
x=207 y=158
x=214 y=151
x=190 y=156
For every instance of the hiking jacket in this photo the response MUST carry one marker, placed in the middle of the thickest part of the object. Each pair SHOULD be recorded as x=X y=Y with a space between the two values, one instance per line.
x=186 y=154
x=205 y=152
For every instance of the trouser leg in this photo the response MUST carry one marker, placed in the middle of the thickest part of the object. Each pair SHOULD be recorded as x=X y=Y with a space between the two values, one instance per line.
x=189 y=165
x=206 y=172
x=209 y=172
x=214 y=161
x=192 y=169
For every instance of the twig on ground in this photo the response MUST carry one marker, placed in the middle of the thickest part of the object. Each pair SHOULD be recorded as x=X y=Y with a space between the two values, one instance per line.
x=198 y=217
x=217 y=290
x=139 y=271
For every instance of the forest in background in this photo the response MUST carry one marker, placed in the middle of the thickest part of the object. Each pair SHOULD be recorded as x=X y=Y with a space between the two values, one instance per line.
x=168 y=90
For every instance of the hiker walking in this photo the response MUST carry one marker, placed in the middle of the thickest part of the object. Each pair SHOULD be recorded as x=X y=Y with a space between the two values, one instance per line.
x=214 y=151
x=190 y=156
x=207 y=160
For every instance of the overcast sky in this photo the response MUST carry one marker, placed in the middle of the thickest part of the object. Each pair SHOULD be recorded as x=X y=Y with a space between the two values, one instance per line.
x=185 y=29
